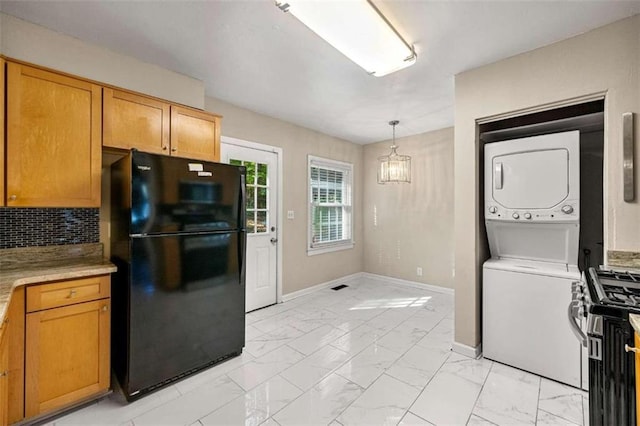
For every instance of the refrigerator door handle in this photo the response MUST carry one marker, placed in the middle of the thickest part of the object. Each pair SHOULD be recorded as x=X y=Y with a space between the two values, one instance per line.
x=242 y=220
x=242 y=225
x=242 y=243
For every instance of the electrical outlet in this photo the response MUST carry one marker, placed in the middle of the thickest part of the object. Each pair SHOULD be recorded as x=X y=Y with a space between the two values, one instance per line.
x=419 y=271
x=290 y=214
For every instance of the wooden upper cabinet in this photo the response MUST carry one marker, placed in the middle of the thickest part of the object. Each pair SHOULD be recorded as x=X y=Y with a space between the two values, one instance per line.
x=195 y=134
x=134 y=121
x=54 y=135
x=2 y=97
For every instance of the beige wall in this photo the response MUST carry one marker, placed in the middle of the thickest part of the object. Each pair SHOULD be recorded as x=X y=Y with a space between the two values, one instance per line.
x=32 y=43
x=300 y=271
x=605 y=60
x=407 y=226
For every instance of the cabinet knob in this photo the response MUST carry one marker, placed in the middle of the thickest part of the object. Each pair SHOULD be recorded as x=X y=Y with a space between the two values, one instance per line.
x=72 y=293
x=174 y=149
x=105 y=308
x=13 y=197
x=164 y=148
x=628 y=348
x=4 y=374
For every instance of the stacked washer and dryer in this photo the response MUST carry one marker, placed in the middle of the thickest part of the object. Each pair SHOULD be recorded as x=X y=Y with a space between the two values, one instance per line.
x=532 y=217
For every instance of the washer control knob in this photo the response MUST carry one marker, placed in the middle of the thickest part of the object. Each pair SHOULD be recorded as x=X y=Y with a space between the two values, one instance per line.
x=527 y=215
x=493 y=209
x=567 y=209
x=515 y=216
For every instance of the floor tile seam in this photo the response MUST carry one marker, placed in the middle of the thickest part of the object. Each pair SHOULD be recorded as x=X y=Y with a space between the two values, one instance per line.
x=364 y=389
x=538 y=402
x=291 y=383
x=429 y=381
x=228 y=402
x=480 y=417
x=304 y=392
x=180 y=394
x=414 y=414
x=323 y=377
x=555 y=415
x=427 y=385
x=475 y=403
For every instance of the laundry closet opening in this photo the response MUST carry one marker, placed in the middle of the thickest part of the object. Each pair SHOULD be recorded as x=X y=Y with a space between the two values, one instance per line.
x=588 y=119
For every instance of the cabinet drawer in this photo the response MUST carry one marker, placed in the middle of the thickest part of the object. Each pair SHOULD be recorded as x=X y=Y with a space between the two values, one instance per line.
x=64 y=293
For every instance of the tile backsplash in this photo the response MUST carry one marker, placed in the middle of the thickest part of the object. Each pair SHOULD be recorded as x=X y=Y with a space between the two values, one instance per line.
x=30 y=227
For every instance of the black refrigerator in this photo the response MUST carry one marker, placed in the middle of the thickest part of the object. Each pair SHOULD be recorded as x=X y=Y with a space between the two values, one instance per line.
x=178 y=239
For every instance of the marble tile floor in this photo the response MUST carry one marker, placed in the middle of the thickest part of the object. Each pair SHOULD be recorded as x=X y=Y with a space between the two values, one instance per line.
x=374 y=353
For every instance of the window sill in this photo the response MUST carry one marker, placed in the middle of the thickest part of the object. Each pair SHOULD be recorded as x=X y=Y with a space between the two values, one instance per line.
x=329 y=249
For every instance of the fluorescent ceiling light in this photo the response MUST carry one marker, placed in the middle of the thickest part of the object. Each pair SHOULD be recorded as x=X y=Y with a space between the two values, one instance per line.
x=357 y=29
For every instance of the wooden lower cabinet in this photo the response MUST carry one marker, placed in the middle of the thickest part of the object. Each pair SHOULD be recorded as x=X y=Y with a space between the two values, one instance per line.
x=15 y=330
x=67 y=352
x=4 y=375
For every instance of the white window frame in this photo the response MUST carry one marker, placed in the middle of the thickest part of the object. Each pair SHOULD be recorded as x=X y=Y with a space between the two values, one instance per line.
x=347 y=170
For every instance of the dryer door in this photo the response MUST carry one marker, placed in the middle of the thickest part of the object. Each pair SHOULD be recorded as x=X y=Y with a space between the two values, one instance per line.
x=536 y=174
x=531 y=180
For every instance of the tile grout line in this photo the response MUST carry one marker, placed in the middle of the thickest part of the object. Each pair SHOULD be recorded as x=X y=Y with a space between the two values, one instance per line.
x=481 y=389
x=538 y=401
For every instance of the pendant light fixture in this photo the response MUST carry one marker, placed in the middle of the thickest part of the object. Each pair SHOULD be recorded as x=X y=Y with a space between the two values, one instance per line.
x=394 y=168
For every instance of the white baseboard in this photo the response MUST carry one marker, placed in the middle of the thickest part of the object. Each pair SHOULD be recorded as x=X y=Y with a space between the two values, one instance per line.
x=342 y=280
x=347 y=278
x=414 y=284
x=465 y=350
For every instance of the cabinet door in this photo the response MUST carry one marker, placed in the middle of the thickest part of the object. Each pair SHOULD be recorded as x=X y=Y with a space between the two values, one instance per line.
x=2 y=95
x=54 y=131
x=133 y=121
x=15 y=316
x=4 y=375
x=67 y=355
x=195 y=134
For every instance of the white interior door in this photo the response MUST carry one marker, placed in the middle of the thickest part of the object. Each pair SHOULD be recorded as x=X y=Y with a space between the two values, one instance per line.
x=262 y=220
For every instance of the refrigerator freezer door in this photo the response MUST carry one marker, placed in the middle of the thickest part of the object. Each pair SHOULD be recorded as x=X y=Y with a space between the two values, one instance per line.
x=170 y=195
x=186 y=305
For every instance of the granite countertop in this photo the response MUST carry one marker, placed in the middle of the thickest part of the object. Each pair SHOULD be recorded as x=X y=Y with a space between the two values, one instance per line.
x=18 y=268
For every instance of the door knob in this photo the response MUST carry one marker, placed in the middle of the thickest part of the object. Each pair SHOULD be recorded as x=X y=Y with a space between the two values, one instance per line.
x=274 y=240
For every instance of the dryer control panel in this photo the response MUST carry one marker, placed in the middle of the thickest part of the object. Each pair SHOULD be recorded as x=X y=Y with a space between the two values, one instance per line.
x=568 y=211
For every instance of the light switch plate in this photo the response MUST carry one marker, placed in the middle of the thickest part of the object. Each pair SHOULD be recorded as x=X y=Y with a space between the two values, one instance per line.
x=290 y=214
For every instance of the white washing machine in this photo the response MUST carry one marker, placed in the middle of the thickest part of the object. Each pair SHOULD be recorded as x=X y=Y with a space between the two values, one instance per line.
x=532 y=216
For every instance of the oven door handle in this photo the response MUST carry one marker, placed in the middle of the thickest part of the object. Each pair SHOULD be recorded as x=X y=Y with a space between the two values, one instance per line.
x=572 y=313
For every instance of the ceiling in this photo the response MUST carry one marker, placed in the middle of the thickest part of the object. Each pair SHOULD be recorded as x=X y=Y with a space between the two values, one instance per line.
x=253 y=55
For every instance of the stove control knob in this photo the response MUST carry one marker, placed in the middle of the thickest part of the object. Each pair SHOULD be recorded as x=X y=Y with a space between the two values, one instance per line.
x=567 y=209
x=527 y=215
x=515 y=216
x=493 y=209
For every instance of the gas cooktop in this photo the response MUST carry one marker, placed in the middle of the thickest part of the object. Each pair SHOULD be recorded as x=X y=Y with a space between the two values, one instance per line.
x=615 y=288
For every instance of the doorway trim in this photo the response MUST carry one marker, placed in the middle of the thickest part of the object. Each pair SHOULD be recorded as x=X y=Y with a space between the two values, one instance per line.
x=279 y=153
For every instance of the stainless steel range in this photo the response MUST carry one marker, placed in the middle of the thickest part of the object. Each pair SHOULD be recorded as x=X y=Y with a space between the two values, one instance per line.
x=611 y=297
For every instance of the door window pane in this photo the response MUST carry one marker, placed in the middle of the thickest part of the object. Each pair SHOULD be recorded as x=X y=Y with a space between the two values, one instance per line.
x=262 y=198
x=262 y=174
x=261 y=221
x=257 y=191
